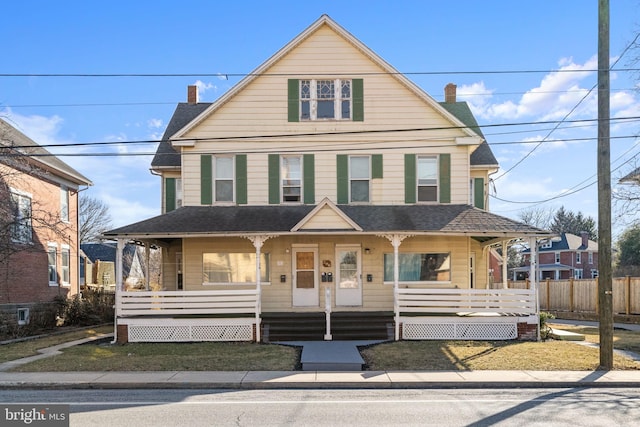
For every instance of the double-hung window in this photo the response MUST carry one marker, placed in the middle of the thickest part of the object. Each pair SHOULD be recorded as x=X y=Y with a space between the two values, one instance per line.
x=21 y=230
x=427 y=178
x=65 y=265
x=578 y=258
x=359 y=178
x=64 y=203
x=223 y=178
x=325 y=99
x=418 y=267
x=52 y=257
x=291 y=176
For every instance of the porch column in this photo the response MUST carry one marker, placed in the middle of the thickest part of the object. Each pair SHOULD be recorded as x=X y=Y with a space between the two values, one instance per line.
x=147 y=268
x=533 y=278
x=119 y=264
x=396 y=241
x=258 y=241
x=505 y=267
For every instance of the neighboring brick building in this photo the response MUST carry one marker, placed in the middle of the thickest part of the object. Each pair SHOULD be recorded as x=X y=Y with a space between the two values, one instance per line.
x=565 y=256
x=38 y=224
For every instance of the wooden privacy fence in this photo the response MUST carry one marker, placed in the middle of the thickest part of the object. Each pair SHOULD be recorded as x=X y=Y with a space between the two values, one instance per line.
x=581 y=295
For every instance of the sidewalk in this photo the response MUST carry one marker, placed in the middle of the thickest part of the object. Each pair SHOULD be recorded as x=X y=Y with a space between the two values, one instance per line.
x=318 y=379
x=308 y=379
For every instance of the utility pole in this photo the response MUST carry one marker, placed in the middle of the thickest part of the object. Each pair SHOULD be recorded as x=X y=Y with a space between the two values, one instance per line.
x=605 y=287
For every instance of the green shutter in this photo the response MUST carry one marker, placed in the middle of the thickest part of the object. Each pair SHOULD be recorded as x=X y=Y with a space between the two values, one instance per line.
x=358 y=100
x=241 y=179
x=206 y=181
x=169 y=194
x=342 y=165
x=410 y=183
x=445 y=178
x=478 y=193
x=293 y=93
x=308 y=167
x=376 y=166
x=274 y=179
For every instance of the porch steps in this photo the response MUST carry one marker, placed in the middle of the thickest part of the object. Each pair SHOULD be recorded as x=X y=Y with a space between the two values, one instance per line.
x=311 y=326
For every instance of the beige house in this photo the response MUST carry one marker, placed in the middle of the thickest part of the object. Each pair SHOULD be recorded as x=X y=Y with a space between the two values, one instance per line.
x=323 y=194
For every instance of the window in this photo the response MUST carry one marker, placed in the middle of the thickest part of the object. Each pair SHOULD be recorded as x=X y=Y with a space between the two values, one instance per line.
x=65 y=261
x=23 y=316
x=427 y=179
x=359 y=177
x=64 y=203
x=21 y=230
x=52 y=250
x=416 y=267
x=546 y=244
x=594 y=273
x=325 y=99
x=577 y=273
x=590 y=257
x=223 y=268
x=223 y=179
x=178 y=197
x=291 y=176
x=557 y=257
x=578 y=258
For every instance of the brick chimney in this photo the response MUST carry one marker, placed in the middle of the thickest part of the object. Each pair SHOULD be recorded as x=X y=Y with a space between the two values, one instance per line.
x=450 y=93
x=192 y=94
x=585 y=239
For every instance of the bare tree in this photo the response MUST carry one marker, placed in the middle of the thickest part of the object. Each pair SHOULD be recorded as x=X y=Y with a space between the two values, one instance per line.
x=538 y=217
x=94 y=218
x=626 y=197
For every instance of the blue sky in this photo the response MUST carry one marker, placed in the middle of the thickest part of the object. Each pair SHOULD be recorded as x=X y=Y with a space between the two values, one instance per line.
x=463 y=42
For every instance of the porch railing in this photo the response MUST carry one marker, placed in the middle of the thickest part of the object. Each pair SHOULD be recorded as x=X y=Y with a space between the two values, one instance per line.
x=501 y=301
x=443 y=313
x=190 y=303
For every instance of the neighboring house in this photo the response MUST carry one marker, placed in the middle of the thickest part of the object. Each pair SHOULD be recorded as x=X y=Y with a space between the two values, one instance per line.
x=326 y=184
x=632 y=177
x=101 y=258
x=564 y=257
x=38 y=224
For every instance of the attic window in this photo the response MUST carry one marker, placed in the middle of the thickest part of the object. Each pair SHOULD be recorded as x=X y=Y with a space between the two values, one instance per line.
x=325 y=99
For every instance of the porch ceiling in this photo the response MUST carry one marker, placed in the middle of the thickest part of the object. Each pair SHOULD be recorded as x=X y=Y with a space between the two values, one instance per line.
x=194 y=221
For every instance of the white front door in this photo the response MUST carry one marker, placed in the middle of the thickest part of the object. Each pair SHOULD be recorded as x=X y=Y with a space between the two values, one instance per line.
x=348 y=276
x=305 y=276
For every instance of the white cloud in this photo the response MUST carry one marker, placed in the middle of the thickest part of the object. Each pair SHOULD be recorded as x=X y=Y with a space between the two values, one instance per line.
x=204 y=87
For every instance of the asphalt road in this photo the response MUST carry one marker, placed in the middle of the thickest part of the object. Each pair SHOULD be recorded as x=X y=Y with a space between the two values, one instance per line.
x=447 y=407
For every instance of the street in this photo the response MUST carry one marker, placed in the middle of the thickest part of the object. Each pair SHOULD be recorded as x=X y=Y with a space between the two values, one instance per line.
x=442 y=407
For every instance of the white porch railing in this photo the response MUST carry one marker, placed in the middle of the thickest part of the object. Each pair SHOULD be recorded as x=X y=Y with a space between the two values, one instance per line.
x=223 y=310
x=501 y=301
x=457 y=306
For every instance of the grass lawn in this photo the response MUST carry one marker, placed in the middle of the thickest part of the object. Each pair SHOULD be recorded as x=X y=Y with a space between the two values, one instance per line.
x=402 y=355
x=30 y=347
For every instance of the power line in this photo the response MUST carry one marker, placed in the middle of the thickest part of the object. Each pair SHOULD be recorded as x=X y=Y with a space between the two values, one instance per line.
x=227 y=75
x=569 y=113
x=358 y=132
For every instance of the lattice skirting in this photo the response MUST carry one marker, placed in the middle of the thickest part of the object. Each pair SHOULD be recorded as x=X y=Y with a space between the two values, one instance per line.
x=455 y=329
x=187 y=331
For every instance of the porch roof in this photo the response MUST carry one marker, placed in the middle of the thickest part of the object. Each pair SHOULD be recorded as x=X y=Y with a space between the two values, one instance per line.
x=196 y=221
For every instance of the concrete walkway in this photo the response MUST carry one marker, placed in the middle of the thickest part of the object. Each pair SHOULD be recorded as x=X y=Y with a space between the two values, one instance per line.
x=330 y=355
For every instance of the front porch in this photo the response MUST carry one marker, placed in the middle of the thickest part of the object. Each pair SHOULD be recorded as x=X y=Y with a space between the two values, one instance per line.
x=236 y=315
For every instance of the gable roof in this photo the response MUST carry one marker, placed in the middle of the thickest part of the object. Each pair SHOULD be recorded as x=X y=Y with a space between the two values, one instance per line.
x=12 y=137
x=166 y=156
x=568 y=242
x=196 y=221
x=324 y=20
x=482 y=155
x=633 y=177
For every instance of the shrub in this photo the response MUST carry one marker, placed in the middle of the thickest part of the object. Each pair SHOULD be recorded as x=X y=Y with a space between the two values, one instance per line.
x=91 y=307
x=545 y=330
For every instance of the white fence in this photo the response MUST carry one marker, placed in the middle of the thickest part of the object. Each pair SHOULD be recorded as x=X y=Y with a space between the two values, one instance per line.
x=231 y=315
x=464 y=313
x=455 y=301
